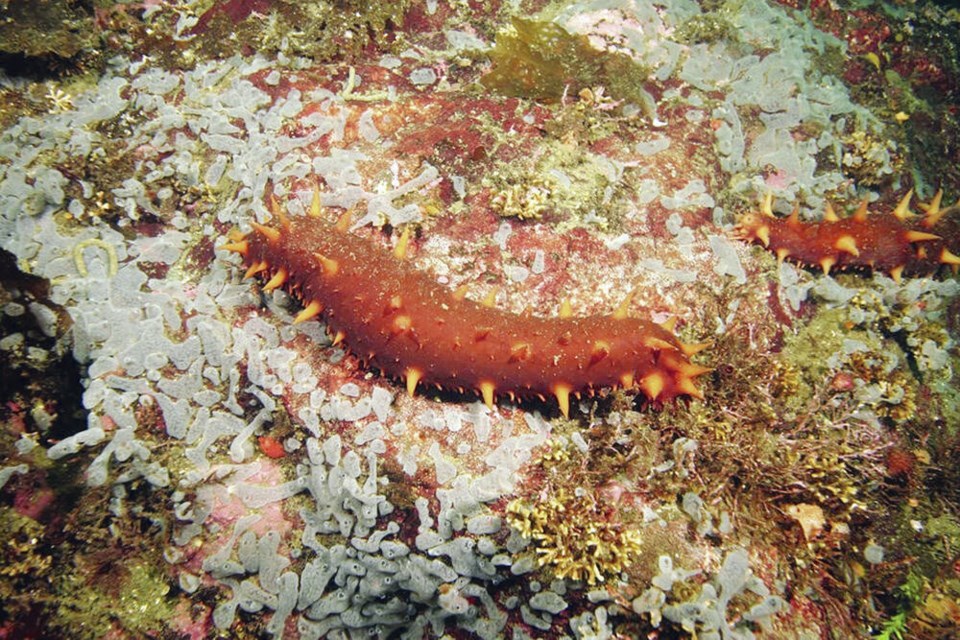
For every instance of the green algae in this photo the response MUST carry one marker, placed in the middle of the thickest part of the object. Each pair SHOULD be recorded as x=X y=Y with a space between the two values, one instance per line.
x=706 y=28
x=138 y=603
x=949 y=405
x=541 y=60
x=25 y=562
x=54 y=29
x=806 y=349
x=567 y=180
x=322 y=31
x=926 y=598
x=577 y=532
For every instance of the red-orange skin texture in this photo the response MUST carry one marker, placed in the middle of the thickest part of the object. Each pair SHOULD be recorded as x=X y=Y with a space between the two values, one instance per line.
x=881 y=240
x=396 y=318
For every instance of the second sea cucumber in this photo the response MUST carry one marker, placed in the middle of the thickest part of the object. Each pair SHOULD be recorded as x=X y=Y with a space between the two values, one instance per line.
x=899 y=243
x=405 y=324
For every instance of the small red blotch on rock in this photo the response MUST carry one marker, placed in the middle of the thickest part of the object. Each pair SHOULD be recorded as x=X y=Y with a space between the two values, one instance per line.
x=900 y=462
x=843 y=381
x=33 y=502
x=271 y=447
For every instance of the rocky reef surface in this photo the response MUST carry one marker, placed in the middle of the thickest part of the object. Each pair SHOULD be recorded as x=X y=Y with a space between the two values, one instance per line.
x=181 y=460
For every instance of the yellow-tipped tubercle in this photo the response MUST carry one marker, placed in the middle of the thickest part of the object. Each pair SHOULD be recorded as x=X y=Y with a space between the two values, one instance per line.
x=947 y=257
x=277 y=281
x=238 y=246
x=562 y=392
x=309 y=312
x=847 y=244
x=653 y=385
x=919 y=236
x=762 y=233
x=826 y=264
x=766 y=205
x=486 y=390
x=413 y=377
x=400 y=251
x=269 y=233
x=623 y=311
x=902 y=211
x=693 y=349
x=343 y=222
x=329 y=265
x=254 y=269
x=829 y=215
x=860 y=215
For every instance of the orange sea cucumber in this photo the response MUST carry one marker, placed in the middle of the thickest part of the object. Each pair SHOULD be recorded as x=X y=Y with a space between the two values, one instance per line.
x=406 y=325
x=898 y=243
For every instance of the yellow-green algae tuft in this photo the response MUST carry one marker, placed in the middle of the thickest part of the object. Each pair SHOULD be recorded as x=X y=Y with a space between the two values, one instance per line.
x=540 y=60
x=567 y=181
x=577 y=535
x=322 y=31
x=91 y=606
x=25 y=562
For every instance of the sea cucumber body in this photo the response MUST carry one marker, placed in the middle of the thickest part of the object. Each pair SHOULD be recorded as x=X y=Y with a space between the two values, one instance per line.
x=403 y=323
x=898 y=243
x=879 y=243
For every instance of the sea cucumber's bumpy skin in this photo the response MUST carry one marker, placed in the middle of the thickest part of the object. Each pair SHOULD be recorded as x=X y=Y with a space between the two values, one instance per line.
x=406 y=325
x=897 y=243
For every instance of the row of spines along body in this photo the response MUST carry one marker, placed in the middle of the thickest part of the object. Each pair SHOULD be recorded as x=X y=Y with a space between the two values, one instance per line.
x=901 y=241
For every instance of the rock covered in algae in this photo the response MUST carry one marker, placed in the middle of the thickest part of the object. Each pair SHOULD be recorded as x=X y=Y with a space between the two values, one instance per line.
x=541 y=60
x=45 y=29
